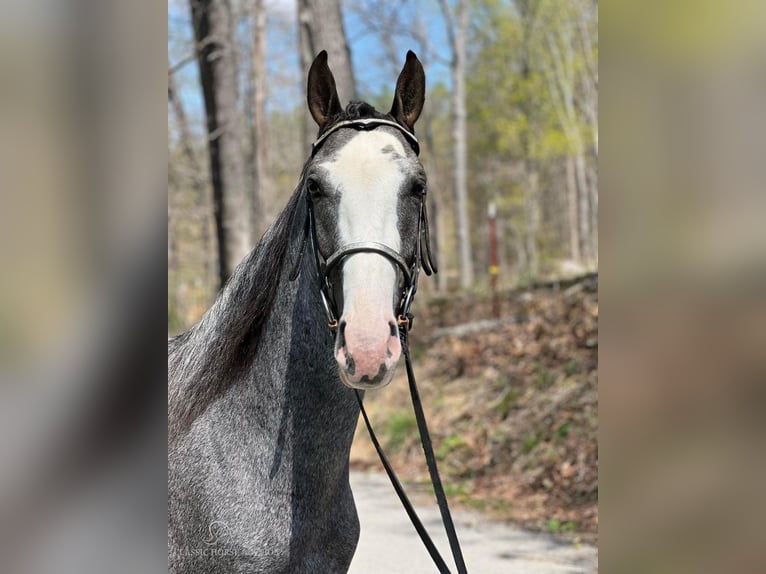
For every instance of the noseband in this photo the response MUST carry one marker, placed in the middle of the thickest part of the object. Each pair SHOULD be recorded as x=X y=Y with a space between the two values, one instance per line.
x=410 y=271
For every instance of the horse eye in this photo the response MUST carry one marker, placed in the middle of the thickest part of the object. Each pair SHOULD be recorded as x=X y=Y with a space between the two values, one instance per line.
x=313 y=187
x=418 y=190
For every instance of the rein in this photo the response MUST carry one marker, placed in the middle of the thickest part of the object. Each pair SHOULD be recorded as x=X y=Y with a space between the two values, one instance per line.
x=423 y=258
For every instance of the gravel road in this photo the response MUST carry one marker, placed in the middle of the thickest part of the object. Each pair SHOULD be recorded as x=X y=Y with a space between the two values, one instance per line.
x=389 y=544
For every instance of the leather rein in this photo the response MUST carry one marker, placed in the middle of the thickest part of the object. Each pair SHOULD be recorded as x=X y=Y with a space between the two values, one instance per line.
x=410 y=271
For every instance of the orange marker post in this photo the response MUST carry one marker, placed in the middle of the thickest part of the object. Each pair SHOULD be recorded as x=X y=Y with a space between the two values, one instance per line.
x=494 y=270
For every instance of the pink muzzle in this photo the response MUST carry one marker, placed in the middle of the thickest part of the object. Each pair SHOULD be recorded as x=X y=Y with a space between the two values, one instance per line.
x=367 y=351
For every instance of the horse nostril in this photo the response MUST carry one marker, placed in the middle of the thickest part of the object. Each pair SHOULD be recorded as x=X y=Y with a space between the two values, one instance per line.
x=394 y=330
x=342 y=334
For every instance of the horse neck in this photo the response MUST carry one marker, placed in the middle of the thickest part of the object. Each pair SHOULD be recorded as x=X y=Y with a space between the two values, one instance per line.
x=274 y=353
x=318 y=414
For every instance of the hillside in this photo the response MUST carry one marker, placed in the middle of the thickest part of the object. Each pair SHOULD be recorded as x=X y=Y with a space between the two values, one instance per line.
x=512 y=405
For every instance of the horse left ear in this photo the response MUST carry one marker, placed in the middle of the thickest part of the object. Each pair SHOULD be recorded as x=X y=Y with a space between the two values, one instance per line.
x=410 y=92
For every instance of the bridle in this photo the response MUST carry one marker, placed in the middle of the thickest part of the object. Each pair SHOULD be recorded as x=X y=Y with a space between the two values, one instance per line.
x=410 y=271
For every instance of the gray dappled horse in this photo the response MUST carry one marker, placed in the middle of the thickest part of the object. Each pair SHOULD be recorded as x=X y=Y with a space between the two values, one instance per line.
x=260 y=426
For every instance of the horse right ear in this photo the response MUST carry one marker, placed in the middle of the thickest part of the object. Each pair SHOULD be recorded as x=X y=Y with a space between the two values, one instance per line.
x=321 y=95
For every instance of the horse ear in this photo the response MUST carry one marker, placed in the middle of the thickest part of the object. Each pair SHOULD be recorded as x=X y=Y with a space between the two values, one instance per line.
x=410 y=92
x=321 y=95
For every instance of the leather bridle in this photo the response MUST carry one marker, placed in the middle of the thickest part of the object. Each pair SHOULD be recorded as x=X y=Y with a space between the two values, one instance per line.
x=410 y=271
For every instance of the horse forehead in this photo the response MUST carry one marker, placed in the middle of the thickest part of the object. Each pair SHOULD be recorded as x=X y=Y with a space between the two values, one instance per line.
x=367 y=156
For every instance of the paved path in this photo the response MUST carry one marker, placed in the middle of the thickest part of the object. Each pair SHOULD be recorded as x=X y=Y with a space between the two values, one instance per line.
x=389 y=544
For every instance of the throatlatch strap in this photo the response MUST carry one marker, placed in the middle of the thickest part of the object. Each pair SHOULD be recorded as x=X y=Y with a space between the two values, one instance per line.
x=428 y=450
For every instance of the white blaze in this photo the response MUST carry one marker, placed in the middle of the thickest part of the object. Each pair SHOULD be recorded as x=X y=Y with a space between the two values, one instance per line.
x=369 y=182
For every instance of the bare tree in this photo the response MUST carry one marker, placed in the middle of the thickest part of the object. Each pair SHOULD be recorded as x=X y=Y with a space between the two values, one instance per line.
x=587 y=34
x=572 y=87
x=528 y=10
x=218 y=75
x=457 y=27
x=259 y=163
x=320 y=25
x=572 y=207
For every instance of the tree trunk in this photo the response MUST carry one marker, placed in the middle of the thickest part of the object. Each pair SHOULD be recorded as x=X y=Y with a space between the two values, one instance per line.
x=572 y=206
x=531 y=176
x=532 y=213
x=259 y=163
x=457 y=28
x=461 y=144
x=584 y=201
x=218 y=75
x=320 y=26
x=593 y=192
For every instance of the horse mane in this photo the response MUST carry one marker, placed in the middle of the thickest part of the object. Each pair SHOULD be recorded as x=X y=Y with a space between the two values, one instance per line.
x=204 y=361
x=356 y=111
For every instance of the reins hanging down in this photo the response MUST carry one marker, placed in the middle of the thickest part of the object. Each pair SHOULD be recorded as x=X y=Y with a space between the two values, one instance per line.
x=433 y=471
x=423 y=258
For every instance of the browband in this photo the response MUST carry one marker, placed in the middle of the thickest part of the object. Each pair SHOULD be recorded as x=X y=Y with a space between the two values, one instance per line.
x=367 y=124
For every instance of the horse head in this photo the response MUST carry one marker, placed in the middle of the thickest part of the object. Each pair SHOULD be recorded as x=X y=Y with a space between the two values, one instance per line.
x=365 y=191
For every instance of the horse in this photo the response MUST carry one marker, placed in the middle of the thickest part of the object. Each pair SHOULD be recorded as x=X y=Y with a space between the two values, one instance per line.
x=261 y=414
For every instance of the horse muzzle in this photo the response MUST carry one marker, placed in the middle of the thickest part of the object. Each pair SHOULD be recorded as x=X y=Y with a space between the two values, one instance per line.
x=367 y=352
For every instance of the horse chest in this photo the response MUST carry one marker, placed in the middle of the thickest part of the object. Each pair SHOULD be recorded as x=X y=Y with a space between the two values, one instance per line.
x=257 y=508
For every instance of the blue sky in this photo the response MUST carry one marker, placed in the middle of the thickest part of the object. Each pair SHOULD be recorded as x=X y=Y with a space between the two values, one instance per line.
x=286 y=87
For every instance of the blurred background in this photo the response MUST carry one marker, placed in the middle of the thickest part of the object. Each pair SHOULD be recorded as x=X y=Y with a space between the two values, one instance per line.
x=506 y=339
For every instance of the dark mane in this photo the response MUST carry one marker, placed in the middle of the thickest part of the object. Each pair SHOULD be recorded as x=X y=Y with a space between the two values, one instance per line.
x=355 y=111
x=203 y=361
x=360 y=110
